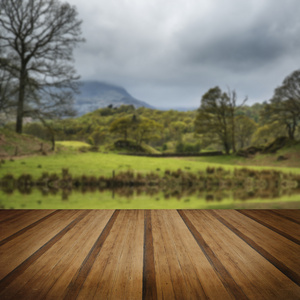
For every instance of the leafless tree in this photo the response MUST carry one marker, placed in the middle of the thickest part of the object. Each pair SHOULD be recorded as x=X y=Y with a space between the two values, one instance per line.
x=38 y=38
x=7 y=91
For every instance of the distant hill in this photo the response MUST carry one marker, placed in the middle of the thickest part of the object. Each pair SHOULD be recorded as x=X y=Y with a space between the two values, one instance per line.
x=96 y=94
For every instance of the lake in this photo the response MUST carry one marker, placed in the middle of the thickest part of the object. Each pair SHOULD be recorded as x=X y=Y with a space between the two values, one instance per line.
x=148 y=198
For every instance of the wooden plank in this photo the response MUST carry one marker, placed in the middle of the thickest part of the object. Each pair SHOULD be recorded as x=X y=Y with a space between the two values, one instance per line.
x=99 y=266
x=157 y=254
x=290 y=214
x=80 y=276
x=128 y=282
x=276 y=223
x=256 y=276
x=50 y=275
x=229 y=283
x=7 y=215
x=15 y=252
x=64 y=280
x=12 y=230
x=182 y=270
x=164 y=278
x=149 y=282
x=281 y=252
x=118 y=269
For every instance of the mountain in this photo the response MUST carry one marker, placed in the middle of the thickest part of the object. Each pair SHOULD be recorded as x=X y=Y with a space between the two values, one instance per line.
x=96 y=94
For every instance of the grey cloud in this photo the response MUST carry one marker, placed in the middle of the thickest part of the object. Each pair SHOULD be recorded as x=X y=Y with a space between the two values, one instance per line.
x=240 y=53
x=174 y=51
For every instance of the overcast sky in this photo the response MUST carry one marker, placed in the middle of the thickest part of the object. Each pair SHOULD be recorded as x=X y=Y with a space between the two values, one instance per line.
x=170 y=52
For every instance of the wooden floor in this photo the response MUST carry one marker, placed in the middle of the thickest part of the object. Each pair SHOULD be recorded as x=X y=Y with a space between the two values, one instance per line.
x=149 y=254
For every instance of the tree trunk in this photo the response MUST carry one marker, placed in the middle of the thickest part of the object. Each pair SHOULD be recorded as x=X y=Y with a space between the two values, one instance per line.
x=242 y=143
x=53 y=142
x=227 y=147
x=232 y=109
x=233 y=134
x=291 y=131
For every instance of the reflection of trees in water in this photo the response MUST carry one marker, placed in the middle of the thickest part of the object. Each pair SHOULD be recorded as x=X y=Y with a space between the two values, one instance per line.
x=180 y=193
x=215 y=184
x=268 y=193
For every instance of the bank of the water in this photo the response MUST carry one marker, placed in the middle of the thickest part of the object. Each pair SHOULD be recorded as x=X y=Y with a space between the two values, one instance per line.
x=112 y=200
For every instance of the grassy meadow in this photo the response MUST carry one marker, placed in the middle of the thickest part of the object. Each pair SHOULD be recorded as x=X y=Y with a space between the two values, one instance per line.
x=79 y=160
x=99 y=164
x=102 y=164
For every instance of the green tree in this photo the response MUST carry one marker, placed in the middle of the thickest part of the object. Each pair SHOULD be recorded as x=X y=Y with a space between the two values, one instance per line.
x=284 y=107
x=121 y=126
x=98 y=136
x=38 y=38
x=267 y=133
x=177 y=128
x=145 y=130
x=232 y=109
x=139 y=128
x=213 y=117
x=244 y=129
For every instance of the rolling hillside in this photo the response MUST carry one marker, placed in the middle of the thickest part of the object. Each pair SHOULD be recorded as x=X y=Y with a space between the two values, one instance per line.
x=95 y=94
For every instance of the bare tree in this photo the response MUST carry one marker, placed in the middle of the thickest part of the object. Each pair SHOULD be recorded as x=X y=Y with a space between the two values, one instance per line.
x=7 y=86
x=7 y=91
x=38 y=38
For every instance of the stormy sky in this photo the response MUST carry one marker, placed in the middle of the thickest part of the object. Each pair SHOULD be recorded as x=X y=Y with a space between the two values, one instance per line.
x=169 y=53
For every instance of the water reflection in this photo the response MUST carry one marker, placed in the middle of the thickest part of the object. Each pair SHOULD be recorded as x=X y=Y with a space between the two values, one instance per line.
x=213 y=185
x=181 y=192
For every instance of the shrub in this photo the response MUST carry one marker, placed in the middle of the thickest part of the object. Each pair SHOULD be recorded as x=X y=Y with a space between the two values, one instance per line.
x=94 y=149
x=180 y=147
x=187 y=148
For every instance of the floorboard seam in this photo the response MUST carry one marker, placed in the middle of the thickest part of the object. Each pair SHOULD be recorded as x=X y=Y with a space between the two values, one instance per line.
x=19 y=213
x=229 y=283
x=37 y=254
x=149 y=280
x=23 y=230
x=282 y=233
x=285 y=217
x=79 y=278
x=269 y=257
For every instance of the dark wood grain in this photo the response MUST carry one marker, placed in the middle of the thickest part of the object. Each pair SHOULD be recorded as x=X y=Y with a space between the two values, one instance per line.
x=149 y=254
x=80 y=276
x=225 y=276
x=275 y=223
x=277 y=262
x=290 y=214
x=23 y=230
x=149 y=283
x=8 y=215
x=18 y=271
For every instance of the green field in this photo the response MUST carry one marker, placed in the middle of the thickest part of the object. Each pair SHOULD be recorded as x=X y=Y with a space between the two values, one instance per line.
x=73 y=144
x=101 y=164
